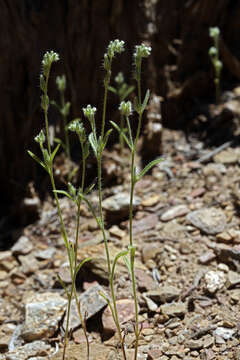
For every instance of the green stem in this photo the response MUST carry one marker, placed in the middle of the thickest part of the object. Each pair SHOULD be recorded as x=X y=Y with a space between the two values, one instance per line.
x=67 y=144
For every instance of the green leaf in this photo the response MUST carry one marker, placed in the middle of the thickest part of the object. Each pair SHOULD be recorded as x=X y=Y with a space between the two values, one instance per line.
x=127 y=263
x=109 y=304
x=93 y=143
x=63 y=285
x=112 y=89
x=128 y=92
x=137 y=107
x=80 y=265
x=105 y=138
x=54 y=152
x=122 y=133
x=36 y=158
x=145 y=101
x=62 y=192
x=148 y=167
x=90 y=187
x=117 y=257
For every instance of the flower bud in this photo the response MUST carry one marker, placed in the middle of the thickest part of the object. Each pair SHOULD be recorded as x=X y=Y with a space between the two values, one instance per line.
x=40 y=138
x=119 y=79
x=126 y=108
x=214 y=32
x=61 y=82
x=89 y=111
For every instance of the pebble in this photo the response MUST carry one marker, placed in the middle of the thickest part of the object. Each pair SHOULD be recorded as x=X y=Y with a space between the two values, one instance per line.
x=214 y=281
x=207 y=257
x=211 y=221
x=224 y=333
x=174 y=309
x=164 y=294
x=45 y=254
x=146 y=223
x=194 y=344
x=150 y=251
x=28 y=351
x=228 y=156
x=233 y=279
x=235 y=295
x=175 y=211
x=152 y=306
x=42 y=315
x=119 y=203
x=23 y=246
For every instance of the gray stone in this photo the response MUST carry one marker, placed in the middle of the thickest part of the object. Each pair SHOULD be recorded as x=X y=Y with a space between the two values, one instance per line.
x=152 y=306
x=211 y=221
x=233 y=279
x=45 y=254
x=119 y=203
x=22 y=247
x=31 y=350
x=194 y=344
x=42 y=315
x=224 y=333
x=174 y=309
x=175 y=211
x=91 y=302
x=164 y=294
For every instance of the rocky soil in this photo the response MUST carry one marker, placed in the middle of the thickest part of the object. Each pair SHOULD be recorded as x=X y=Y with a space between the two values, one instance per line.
x=187 y=237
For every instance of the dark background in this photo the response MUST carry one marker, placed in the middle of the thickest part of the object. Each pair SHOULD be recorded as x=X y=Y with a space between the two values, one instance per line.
x=179 y=68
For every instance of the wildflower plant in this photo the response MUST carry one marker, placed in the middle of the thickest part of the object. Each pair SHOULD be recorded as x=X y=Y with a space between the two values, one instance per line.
x=122 y=90
x=97 y=141
x=126 y=109
x=214 y=33
x=48 y=156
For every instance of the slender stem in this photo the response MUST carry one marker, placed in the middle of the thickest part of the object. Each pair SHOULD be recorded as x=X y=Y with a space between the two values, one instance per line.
x=106 y=85
x=65 y=126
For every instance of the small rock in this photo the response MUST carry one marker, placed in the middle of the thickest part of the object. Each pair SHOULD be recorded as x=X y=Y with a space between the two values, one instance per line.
x=29 y=264
x=7 y=261
x=45 y=254
x=224 y=333
x=146 y=223
x=194 y=344
x=42 y=315
x=233 y=279
x=115 y=231
x=152 y=306
x=164 y=294
x=175 y=211
x=151 y=201
x=117 y=206
x=215 y=280
x=33 y=349
x=211 y=221
x=91 y=303
x=3 y=275
x=126 y=310
x=228 y=156
x=145 y=281
x=23 y=246
x=150 y=251
x=174 y=309
x=207 y=257
x=224 y=237
x=235 y=295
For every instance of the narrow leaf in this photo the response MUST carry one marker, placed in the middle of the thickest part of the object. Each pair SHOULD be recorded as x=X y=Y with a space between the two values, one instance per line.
x=145 y=101
x=63 y=193
x=93 y=143
x=109 y=304
x=117 y=257
x=128 y=92
x=112 y=89
x=105 y=139
x=122 y=133
x=80 y=265
x=90 y=187
x=127 y=263
x=148 y=167
x=36 y=158
x=63 y=285
x=54 y=152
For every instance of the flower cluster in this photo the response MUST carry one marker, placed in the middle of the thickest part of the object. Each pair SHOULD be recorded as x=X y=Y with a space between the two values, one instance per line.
x=142 y=51
x=126 y=108
x=48 y=59
x=76 y=126
x=89 y=111
x=115 y=47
